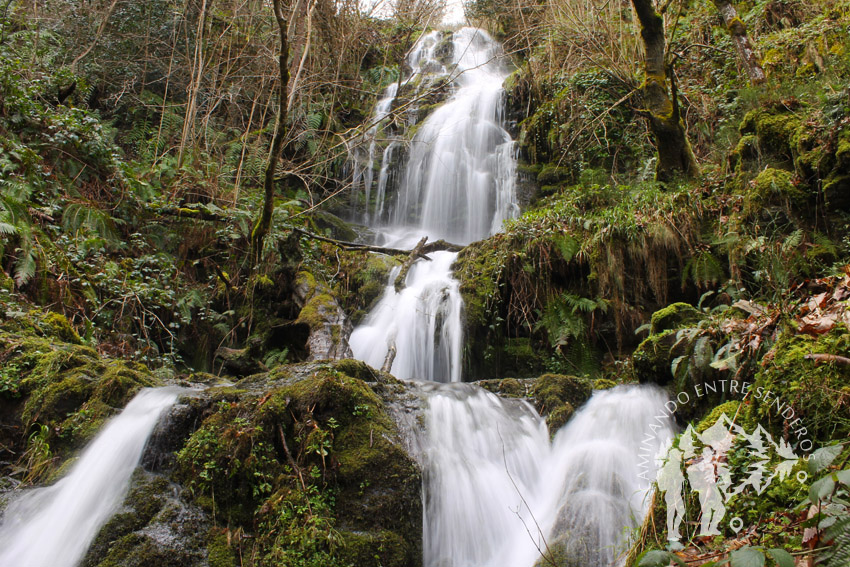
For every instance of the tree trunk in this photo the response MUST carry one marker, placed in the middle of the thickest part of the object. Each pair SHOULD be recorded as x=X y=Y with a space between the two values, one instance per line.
x=675 y=155
x=738 y=31
x=264 y=221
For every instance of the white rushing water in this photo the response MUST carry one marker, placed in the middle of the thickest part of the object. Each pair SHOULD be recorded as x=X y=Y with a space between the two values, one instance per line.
x=422 y=323
x=460 y=179
x=458 y=184
x=497 y=491
x=54 y=526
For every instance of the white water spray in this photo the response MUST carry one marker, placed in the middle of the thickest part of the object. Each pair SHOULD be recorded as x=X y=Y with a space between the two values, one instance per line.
x=498 y=493
x=54 y=526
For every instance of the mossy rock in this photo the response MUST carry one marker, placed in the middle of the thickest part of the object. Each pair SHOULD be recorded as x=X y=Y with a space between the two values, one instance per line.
x=557 y=396
x=57 y=326
x=674 y=316
x=153 y=527
x=733 y=409
x=373 y=549
x=652 y=358
x=603 y=384
x=347 y=450
x=508 y=387
x=745 y=152
x=814 y=390
x=335 y=226
x=66 y=387
x=775 y=187
x=774 y=128
x=553 y=175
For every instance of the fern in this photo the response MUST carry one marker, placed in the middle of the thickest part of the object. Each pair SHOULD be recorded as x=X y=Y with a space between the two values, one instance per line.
x=563 y=321
x=704 y=270
x=78 y=216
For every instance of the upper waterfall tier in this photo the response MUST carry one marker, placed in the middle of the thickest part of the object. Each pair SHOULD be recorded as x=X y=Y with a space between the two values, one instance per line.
x=457 y=179
x=459 y=183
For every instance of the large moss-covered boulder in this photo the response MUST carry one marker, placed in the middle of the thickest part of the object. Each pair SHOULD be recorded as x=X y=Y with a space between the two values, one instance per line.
x=154 y=526
x=308 y=458
x=58 y=394
x=674 y=316
x=652 y=358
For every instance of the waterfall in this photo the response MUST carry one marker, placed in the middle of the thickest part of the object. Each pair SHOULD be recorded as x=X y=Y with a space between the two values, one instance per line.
x=497 y=492
x=453 y=186
x=54 y=526
x=422 y=324
x=458 y=184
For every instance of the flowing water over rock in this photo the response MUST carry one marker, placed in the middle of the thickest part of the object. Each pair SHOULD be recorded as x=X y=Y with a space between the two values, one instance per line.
x=458 y=184
x=53 y=526
x=498 y=493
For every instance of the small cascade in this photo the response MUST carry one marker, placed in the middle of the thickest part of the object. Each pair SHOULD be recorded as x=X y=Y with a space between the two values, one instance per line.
x=497 y=491
x=54 y=526
x=423 y=319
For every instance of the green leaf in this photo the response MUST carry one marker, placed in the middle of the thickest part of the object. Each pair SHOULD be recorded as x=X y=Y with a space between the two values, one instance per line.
x=782 y=557
x=843 y=477
x=820 y=489
x=823 y=457
x=747 y=557
x=655 y=558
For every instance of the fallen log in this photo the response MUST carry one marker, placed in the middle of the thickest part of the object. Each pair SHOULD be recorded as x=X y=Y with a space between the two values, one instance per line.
x=414 y=255
x=436 y=246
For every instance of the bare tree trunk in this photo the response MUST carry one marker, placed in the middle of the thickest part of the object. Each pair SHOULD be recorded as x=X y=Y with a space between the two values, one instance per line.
x=194 y=85
x=738 y=31
x=675 y=155
x=264 y=221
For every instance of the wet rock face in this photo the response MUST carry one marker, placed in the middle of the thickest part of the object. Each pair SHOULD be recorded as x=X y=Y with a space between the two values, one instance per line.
x=155 y=526
x=328 y=323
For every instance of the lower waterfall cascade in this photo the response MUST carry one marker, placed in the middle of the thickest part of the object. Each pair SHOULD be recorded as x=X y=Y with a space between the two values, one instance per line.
x=496 y=491
x=54 y=526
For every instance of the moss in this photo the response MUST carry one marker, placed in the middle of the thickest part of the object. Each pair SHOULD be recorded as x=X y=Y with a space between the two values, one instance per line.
x=56 y=325
x=373 y=549
x=818 y=392
x=553 y=175
x=729 y=408
x=557 y=396
x=519 y=357
x=745 y=151
x=674 y=316
x=337 y=428
x=219 y=552
x=314 y=312
x=478 y=268
x=558 y=417
x=651 y=360
x=775 y=129
x=775 y=187
x=335 y=226
x=603 y=384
